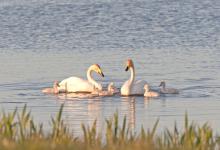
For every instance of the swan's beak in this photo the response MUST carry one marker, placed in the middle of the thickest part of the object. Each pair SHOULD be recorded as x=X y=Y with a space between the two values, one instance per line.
x=127 y=68
x=99 y=71
x=102 y=74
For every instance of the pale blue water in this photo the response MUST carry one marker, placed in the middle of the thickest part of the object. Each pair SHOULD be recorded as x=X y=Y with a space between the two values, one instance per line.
x=177 y=41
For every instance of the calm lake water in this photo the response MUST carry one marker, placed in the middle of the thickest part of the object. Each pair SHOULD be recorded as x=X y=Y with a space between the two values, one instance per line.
x=177 y=41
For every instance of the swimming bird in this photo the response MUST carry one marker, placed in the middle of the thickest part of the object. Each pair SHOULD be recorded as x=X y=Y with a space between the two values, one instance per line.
x=111 y=91
x=76 y=84
x=149 y=93
x=53 y=90
x=112 y=88
x=165 y=90
x=132 y=87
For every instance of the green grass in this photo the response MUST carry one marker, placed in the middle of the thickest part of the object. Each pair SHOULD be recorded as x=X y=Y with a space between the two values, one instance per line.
x=19 y=131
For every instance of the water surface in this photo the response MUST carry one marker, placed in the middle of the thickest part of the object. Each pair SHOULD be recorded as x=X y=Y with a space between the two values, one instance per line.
x=177 y=41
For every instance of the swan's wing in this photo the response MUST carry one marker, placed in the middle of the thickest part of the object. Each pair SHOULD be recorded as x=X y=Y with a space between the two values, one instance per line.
x=169 y=91
x=138 y=87
x=75 y=84
x=172 y=91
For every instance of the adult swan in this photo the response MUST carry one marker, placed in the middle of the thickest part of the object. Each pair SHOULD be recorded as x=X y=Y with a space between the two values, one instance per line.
x=75 y=84
x=132 y=87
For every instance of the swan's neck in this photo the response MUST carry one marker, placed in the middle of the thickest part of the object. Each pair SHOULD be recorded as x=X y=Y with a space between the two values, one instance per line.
x=91 y=80
x=131 y=80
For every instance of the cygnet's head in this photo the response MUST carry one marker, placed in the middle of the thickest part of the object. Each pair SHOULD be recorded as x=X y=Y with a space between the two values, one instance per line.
x=162 y=83
x=129 y=64
x=111 y=86
x=146 y=87
x=97 y=69
x=97 y=87
x=56 y=84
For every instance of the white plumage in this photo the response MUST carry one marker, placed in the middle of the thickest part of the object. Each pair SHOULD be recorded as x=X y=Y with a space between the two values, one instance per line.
x=76 y=84
x=132 y=87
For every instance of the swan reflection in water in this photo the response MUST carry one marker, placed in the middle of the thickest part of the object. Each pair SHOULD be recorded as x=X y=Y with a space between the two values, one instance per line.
x=128 y=106
x=85 y=110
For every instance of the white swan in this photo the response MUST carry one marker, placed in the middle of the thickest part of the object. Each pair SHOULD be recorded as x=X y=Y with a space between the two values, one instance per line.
x=132 y=87
x=165 y=90
x=149 y=92
x=75 y=84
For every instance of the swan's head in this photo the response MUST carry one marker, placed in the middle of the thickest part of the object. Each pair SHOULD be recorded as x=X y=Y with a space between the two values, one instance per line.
x=129 y=64
x=97 y=69
x=162 y=83
x=146 y=87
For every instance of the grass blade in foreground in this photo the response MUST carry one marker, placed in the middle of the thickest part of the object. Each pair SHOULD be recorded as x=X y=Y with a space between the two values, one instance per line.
x=19 y=131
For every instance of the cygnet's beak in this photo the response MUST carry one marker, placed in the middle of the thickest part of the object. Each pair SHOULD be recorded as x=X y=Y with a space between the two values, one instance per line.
x=160 y=84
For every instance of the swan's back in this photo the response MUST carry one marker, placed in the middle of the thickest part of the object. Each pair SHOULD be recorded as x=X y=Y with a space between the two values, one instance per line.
x=151 y=94
x=138 y=87
x=75 y=84
x=169 y=91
